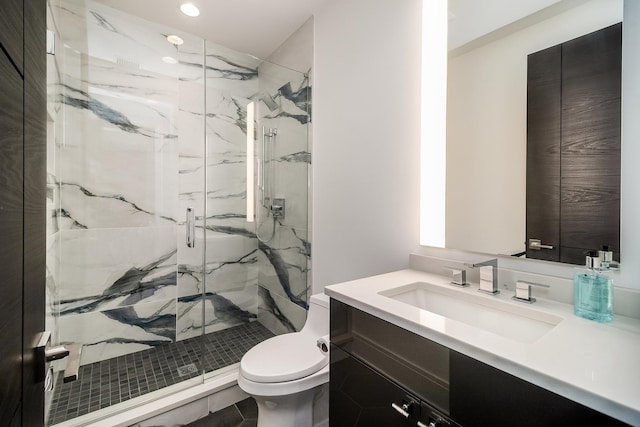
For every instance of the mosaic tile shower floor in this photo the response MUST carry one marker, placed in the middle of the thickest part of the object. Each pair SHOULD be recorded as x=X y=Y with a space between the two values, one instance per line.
x=116 y=380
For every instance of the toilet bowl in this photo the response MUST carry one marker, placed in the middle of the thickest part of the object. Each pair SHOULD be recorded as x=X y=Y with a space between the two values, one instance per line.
x=286 y=373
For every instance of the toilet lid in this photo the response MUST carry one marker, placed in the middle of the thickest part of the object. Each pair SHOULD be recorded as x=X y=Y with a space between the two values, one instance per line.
x=283 y=358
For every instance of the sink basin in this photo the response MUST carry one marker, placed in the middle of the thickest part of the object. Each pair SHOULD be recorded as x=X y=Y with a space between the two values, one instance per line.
x=516 y=322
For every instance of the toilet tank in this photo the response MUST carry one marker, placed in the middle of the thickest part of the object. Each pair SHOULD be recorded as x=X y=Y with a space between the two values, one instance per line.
x=317 y=322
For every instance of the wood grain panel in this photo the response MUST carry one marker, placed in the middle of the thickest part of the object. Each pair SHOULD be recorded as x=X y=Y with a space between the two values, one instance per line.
x=482 y=395
x=543 y=151
x=591 y=108
x=35 y=119
x=590 y=217
x=573 y=152
x=591 y=115
x=11 y=223
x=11 y=23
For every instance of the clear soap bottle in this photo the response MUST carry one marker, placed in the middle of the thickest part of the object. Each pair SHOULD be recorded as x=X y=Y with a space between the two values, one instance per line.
x=593 y=291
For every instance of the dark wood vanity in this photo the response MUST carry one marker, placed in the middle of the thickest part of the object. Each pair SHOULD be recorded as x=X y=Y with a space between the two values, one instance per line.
x=384 y=375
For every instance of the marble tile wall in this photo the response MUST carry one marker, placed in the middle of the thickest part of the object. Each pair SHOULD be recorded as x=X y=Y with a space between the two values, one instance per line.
x=116 y=175
x=133 y=149
x=229 y=275
x=284 y=260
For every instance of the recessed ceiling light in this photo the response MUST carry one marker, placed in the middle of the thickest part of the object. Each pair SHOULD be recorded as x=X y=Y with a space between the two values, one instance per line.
x=189 y=9
x=173 y=39
x=169 y=59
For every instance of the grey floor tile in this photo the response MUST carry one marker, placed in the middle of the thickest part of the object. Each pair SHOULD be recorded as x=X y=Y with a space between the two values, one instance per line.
x=112 y=381
x=248 y=408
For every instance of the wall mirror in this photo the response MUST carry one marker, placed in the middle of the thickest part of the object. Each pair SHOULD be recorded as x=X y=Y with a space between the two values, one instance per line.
x=487 y=112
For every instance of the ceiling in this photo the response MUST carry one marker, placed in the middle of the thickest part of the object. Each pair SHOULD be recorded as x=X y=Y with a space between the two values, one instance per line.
x=472 y=19
x=256 y=27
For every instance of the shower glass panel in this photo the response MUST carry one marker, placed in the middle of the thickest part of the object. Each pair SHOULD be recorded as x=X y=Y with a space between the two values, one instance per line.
x=283 y=104
x=144 y=135
x=117 y=86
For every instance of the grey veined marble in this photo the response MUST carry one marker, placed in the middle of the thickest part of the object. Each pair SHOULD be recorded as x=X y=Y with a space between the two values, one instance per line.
x=137 y=142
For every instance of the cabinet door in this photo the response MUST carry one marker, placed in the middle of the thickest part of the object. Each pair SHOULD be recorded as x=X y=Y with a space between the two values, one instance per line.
x=359 y=396
x=11 y=246
x=573 y=147
x=543 y=152
x=485 y=396
x=12 y=24
x=591 y=119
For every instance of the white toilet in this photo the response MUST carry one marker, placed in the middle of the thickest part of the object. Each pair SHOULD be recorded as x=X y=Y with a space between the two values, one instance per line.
x=285 y=373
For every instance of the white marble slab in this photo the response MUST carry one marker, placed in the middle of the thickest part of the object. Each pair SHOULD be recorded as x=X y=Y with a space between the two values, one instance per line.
x=279 y=314
x=111 y=333
x=107 y=268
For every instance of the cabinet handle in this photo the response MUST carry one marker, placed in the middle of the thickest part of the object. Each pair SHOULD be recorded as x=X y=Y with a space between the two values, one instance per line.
x=402 y=410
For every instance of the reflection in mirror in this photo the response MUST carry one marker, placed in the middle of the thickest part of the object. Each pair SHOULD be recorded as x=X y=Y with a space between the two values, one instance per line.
x=487 y=113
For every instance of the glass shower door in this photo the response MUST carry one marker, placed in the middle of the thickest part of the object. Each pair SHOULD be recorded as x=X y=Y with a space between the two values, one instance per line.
x=126 y=98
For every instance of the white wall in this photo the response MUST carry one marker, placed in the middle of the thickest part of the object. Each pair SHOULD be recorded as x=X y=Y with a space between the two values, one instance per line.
x=470 y=19
x=366 y=152
x=629 y=194
x=486 y=130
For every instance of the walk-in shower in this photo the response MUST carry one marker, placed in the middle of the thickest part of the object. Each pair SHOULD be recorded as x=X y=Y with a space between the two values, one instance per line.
x=154 y=264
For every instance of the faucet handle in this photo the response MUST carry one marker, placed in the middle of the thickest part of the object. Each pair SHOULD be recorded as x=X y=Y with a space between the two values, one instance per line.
x=458 y=276
x=523 y=291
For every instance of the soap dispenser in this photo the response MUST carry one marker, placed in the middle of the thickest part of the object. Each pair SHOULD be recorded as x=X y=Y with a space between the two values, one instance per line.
x=593 y=291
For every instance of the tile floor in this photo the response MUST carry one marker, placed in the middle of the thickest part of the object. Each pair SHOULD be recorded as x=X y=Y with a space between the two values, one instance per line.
x=116 y=380
x=242 y=414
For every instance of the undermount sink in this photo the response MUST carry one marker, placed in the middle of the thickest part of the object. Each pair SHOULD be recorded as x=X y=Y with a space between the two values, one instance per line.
x=509 y=320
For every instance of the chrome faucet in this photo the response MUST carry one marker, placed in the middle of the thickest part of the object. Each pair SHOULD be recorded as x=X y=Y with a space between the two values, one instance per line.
x=523 y=291
x=488 y=276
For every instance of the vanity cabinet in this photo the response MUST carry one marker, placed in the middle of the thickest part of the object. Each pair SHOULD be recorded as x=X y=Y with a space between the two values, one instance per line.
x=379 y=370
x=360 y=396
x=482 y=395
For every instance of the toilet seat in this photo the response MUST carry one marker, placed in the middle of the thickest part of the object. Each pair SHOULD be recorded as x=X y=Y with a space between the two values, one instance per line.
x=290 y=357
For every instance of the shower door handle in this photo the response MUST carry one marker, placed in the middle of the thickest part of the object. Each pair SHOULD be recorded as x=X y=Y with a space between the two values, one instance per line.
x=191 y=231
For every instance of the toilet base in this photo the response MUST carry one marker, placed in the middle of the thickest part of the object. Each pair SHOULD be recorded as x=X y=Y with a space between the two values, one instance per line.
x=292 y=410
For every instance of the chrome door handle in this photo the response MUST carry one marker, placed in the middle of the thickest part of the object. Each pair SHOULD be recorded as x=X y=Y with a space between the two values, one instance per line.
x=191 y=231
x=45 y=354
x=536 y=244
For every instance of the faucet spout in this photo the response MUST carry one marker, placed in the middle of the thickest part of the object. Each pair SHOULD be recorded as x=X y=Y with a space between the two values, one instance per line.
x=490 y=262
x=488 y=275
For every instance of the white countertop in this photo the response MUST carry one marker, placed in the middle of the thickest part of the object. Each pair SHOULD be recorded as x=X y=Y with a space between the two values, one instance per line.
x=597 y=365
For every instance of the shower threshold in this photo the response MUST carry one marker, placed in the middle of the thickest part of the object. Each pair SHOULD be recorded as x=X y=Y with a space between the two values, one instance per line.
x=132 y=376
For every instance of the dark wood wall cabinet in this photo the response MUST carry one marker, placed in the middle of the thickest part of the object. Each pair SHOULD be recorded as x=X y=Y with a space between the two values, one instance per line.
x=382 y=375
x=573 y=147
x=22 y=207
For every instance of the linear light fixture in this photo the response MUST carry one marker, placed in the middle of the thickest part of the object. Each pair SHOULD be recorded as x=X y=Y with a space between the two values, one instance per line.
x=434 y=123
x=250 y=161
